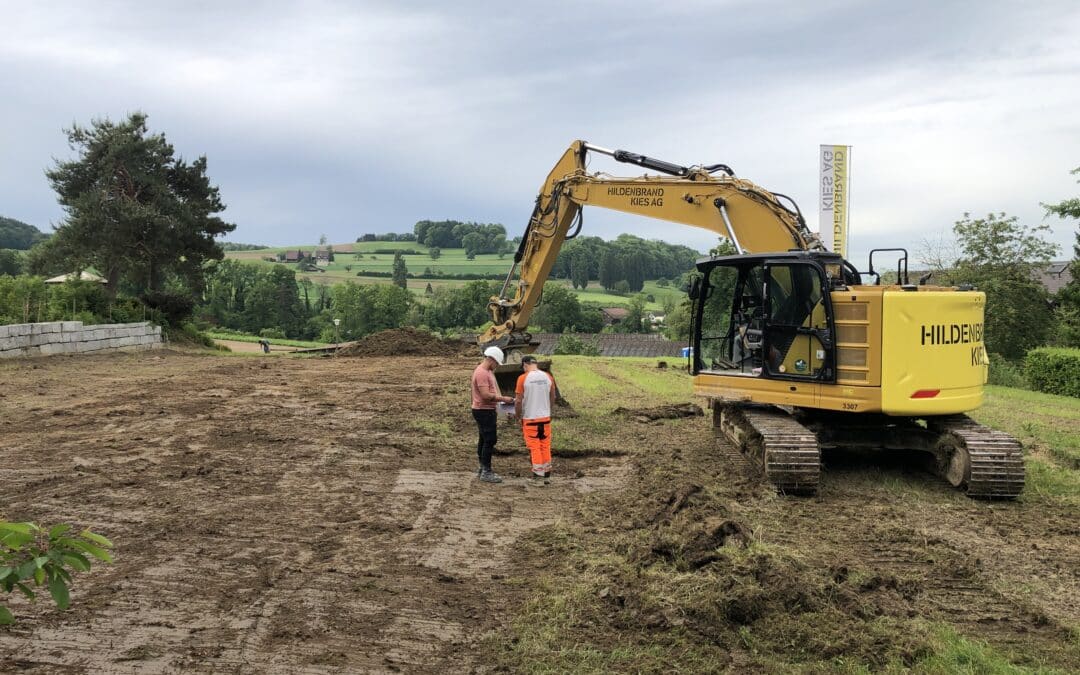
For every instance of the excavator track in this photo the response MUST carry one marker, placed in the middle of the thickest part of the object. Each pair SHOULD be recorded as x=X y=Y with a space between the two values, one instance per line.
x=785 y=450
x=989 y=463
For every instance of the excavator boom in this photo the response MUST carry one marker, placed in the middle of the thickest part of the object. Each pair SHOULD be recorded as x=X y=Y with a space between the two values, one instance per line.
x=753 y=218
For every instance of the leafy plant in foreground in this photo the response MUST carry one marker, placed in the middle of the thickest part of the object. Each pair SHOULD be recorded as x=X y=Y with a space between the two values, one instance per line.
x=32 y=557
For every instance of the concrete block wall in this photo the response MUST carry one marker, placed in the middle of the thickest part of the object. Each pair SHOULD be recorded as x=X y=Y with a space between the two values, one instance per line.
x=72 y=337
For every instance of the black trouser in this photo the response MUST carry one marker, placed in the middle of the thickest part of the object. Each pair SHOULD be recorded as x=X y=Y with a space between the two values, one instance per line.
x=487 y=424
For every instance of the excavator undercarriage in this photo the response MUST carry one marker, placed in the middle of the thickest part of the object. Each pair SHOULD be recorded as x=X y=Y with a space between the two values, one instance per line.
x=786 y=445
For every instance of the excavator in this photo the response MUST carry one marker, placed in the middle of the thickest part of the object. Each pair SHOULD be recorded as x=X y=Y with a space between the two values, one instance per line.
x=793 y=352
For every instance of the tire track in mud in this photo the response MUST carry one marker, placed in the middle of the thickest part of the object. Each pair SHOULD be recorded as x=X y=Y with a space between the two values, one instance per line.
x=931 y=552
x=269 y=516
x=937 y=553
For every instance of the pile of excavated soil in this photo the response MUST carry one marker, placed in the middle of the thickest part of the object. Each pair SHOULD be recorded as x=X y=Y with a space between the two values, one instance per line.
x=408 y=342
x=663 y=412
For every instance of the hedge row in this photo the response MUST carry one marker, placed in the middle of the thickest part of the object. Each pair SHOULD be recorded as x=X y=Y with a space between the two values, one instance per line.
x=434 y=277
x=393 y=251
x=1054 y=370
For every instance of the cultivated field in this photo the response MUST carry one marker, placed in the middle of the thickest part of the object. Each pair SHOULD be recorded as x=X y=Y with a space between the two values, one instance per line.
x=284 y=514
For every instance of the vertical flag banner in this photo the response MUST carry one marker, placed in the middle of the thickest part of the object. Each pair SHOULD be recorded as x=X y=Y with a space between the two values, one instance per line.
x=835 y=196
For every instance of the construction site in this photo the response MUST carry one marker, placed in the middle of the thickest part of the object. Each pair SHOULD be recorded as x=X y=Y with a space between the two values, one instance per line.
x=282 y=514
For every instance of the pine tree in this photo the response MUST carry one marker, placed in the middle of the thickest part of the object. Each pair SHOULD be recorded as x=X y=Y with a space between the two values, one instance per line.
x=134 y=210
x=635 y=272
x=579 y=269
x=400 y=273
x=610 y=270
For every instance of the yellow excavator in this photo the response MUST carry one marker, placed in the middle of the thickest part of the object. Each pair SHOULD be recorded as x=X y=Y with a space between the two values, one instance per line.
x=792 y=350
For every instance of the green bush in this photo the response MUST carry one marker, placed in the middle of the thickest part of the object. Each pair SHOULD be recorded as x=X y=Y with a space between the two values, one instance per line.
x=568 y=344
x=188 y=333
x=272 y=333
x=1007 y=373
x=1054 y=370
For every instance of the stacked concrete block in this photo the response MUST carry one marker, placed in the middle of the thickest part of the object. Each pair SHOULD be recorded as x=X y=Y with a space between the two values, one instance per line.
x=72 y=337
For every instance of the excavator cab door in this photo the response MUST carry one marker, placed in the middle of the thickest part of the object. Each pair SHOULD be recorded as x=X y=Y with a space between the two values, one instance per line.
x=798 y=322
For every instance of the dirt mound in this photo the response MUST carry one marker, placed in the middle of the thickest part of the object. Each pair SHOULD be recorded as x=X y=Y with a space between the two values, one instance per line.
x=664 y=412
x=407 y=342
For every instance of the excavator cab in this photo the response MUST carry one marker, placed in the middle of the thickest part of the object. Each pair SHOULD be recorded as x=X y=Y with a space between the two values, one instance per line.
x=764 y=316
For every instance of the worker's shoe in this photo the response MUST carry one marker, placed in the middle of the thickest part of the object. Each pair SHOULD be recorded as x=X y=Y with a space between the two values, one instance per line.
x=490 y=476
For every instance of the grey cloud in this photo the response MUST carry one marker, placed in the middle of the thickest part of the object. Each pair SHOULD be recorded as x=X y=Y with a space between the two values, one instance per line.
x=337 y=117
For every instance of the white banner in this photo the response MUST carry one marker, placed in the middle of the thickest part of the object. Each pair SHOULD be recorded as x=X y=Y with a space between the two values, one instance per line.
x=835 y=196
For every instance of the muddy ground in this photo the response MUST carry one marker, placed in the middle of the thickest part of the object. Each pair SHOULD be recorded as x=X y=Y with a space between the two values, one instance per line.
x=290 y=515
x=269 y=515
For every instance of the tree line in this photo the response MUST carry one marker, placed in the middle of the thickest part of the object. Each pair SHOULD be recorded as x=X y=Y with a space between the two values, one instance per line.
x=17 y=235
x=147 y=220
x=273 y=302
x=623 y=264
x=475 y=238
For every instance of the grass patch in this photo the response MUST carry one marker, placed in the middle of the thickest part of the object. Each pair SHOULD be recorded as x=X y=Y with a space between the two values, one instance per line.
x=954 y=653
x=608 y=382
x=439 y=430
x=1048 y=421
x=240 y=337
x=1046 y=481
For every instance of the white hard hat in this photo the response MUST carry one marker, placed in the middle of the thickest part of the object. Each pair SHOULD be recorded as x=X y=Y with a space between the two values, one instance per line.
x=494 y=353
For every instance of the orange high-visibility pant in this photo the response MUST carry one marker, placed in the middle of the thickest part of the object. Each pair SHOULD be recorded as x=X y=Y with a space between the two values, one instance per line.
x=537 y=433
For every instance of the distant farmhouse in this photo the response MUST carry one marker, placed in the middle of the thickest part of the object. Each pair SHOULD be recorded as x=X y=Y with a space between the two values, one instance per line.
x=293 y=256
x=614 y=315
x=1056 y=275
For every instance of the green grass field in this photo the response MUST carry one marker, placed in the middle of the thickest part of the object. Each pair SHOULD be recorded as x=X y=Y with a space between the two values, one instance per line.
x=1049 y=428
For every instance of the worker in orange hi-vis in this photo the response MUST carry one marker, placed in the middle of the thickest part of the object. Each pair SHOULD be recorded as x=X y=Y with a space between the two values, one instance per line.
x=533 y=400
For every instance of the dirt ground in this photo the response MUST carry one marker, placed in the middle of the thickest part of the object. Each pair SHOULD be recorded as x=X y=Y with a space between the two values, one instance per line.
x=282 y=515
x=269 y=514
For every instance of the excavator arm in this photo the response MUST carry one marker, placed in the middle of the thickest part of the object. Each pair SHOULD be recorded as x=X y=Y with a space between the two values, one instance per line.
x=754 y=219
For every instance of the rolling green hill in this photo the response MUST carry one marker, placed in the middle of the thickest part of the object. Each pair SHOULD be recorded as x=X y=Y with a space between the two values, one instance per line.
x=19 y=235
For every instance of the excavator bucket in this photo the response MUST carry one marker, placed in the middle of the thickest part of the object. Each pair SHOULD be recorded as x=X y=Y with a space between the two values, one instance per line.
x=508 y=374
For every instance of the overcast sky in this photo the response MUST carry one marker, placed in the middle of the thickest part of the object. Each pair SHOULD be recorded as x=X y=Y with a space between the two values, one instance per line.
x=341 y=118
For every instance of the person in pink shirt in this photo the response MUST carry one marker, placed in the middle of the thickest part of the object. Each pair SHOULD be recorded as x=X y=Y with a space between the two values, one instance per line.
x=485 y=398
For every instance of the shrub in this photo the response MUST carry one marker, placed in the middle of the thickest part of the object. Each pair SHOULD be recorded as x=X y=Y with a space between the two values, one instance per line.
x=188 y=333
x=1007 y=373
x=272 y=333
x=1054 y=370
x=568 y=344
